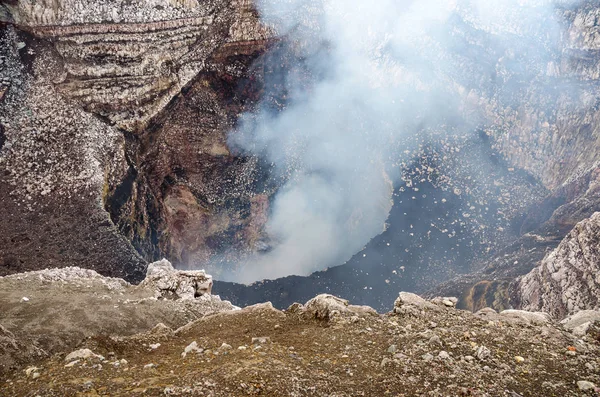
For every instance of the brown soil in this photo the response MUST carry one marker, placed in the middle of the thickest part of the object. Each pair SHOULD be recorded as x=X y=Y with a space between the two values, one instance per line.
x=349 y=355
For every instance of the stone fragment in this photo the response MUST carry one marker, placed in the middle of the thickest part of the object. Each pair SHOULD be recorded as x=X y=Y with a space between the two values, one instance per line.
x=225 y=346
x=191 y=348
x=414 y=300
x=483 y=353
x=427 y=357
x=580 y=321
x=83 y=354
x=328 y=307
x=261 y=340
x=585 y=385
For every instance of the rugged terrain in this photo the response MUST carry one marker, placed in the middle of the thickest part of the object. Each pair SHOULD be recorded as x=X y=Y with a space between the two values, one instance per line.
x=131 y=344
x=54 y=309
x=114 y=125
x=113 y=153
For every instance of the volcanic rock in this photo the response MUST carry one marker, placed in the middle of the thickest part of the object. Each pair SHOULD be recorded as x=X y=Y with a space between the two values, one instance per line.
x=566 y=281
x=173 y=284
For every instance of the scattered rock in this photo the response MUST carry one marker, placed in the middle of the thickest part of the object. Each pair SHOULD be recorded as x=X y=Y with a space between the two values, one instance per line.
x=435 y=340
x=29 y=371
x=579 y=322
x=326 y=307
x=225 y=346
x=191 y=348
x=161 y=329
x=483 y=353
x=445 y=301
x=427 y=357
x=585 y=385
x=83 y=354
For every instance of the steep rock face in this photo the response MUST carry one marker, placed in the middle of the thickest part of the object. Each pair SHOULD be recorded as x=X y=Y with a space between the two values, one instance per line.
x=554 y=135
x=159 y=166
x=172 y=76
x=554 y=131
x=191 y=198
x=56 y=164
x=126 y=60
x=543 y=230
x=566 y=280
x=77 y=12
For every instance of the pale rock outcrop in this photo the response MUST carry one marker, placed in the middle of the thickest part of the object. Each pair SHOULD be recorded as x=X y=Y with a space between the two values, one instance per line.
x=329 y=307
x=126 y=60
x=538 y=318
x=72 y=275
x=568 y=279
x=67 y=12
x=176 y=284
x=445 y=301
x=409 y=301
x=83 y=354
x=582 y=322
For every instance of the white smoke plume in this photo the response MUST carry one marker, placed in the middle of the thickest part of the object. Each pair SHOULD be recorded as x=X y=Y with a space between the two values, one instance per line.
x=379 y=73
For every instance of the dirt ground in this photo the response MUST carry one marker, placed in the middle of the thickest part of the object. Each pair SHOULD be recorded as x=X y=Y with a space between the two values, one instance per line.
x=50 y=311
x=432 y=351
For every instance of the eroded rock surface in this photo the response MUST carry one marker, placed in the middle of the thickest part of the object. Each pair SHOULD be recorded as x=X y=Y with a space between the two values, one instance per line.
x=566 y=280
x=172 y=284
x=86 y=88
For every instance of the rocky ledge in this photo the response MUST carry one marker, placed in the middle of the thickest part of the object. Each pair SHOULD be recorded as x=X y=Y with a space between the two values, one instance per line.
x=136 y=342
x=47 y=311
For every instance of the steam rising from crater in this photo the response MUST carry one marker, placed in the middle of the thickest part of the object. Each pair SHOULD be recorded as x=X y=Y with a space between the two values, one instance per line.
x=367 y=78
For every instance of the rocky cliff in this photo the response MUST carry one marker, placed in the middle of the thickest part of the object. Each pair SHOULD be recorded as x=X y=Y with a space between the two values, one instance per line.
x=114 y=119
x=566 y=281
x=113 y=138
